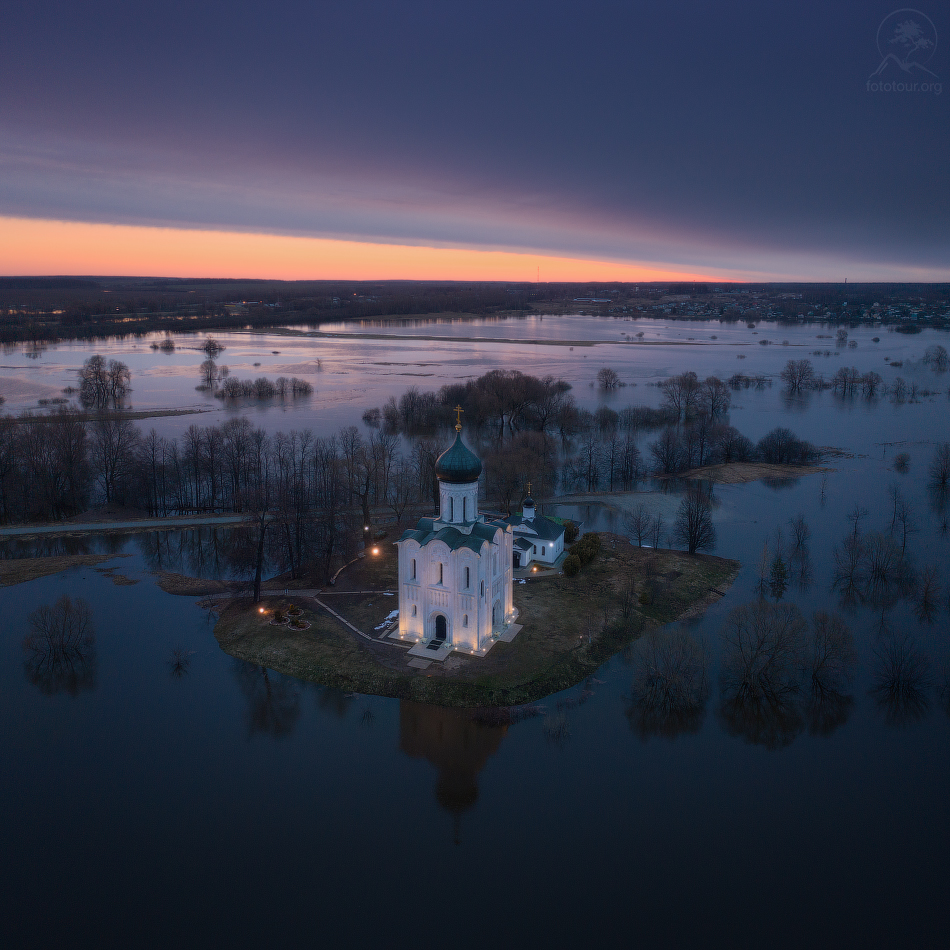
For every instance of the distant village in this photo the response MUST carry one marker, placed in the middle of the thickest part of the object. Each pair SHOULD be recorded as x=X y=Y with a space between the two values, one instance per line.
x=47 y=309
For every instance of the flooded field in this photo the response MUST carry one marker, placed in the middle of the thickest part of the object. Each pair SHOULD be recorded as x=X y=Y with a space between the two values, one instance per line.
x=161 y=785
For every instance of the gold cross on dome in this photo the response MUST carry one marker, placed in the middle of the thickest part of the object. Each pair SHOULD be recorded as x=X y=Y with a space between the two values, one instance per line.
x=458 y=418
x=529 y=489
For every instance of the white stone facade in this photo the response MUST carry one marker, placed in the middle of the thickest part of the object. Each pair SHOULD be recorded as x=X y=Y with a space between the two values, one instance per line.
x=458 y=504
x=455 y=575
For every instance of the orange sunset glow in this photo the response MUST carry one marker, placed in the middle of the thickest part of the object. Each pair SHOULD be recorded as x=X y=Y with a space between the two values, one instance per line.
x=37 y=247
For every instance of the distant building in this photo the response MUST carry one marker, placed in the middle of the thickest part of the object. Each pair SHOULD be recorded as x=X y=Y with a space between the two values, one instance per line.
x=537 y=539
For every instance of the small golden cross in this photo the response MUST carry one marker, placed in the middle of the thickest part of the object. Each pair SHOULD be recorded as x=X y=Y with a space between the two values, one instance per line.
x=529 y=489
x=458 y=418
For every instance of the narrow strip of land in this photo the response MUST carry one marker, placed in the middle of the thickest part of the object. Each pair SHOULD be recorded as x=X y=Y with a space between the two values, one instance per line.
x=327 y=334
x=135 y=524
x=109 y=416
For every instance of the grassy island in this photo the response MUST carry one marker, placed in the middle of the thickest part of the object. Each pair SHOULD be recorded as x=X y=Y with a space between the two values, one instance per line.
x=571 y=626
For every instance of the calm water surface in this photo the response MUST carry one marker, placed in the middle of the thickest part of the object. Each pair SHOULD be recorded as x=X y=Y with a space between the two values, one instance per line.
x=223 y=806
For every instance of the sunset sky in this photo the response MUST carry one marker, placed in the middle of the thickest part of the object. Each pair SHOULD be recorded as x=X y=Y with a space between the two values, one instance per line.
x=595 y=140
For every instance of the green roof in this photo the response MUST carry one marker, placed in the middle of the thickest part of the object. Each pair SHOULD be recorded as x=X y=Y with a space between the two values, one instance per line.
x=458 y=464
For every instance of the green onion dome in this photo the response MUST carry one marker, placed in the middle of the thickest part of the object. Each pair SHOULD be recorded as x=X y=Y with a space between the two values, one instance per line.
x=458 y=464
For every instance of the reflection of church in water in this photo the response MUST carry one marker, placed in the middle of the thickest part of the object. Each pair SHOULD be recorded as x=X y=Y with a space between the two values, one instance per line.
x=455 y=744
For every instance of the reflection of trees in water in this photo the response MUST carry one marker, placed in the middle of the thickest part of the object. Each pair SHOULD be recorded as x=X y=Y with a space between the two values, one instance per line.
x=669 y=690
x=452 y=741
x=830 y=661
x=273 y=701
x=200 y=552
x=926 y=604
x=901 y=680
x=802 y=569
x=43 y=546
x=180 y=662
x=945 y=687
x=776 y=674
x=61 y=648
x=334 y=700
x=873 y=569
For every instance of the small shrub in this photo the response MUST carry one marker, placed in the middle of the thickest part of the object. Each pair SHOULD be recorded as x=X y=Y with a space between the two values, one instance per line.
x=587 y=548
x=572 y=564
x=570 y=532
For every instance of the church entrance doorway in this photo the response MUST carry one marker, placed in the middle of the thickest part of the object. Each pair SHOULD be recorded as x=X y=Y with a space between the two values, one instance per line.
x=441 y=627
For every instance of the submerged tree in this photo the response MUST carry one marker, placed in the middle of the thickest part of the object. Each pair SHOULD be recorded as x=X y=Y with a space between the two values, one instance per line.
x=763 y=652
x=901 y=680
x=778 y=577
x=102 y=383
x=798 y=375
x=669 y=690
x=830 y=660
x=61 y=647
x=940 y=467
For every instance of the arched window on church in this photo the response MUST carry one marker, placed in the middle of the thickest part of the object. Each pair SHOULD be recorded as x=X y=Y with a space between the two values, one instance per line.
x=440 y=571
x=465 y=621
x=543 y=549
x=451 y=509
x=413 y=610
x=464 y=509
x=468 y=581
x=412 y=576
x=483 y=590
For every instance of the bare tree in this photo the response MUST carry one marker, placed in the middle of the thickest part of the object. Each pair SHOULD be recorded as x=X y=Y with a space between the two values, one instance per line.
x=763 y=650
x=402 y=488
x=114 y=450
x=608 y=378
x=693 y=528
x=940 y=467
x=901 y=680
x=936 y=358
x=801 y=533
x=668 y=453
x=870 y=384
x=714 y=397
x=798 y=375
x=638 y=523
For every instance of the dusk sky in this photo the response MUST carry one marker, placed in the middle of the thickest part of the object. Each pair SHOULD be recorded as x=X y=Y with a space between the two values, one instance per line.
x=594 y=140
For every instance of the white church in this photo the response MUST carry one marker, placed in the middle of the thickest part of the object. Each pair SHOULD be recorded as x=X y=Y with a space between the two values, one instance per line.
x=456 y=570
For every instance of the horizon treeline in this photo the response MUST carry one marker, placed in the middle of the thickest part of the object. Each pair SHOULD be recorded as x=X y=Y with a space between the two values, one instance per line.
x=41 y=310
